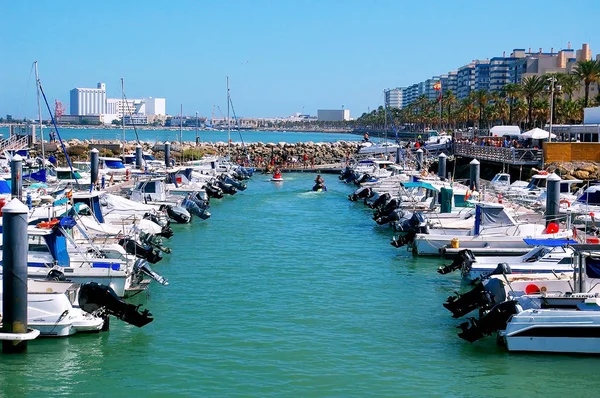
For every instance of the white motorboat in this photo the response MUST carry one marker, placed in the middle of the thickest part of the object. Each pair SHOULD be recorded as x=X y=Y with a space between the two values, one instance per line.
x=540 y=260
x=575 y=330
x=493 y=227
x=51 y=310
x=378 y=148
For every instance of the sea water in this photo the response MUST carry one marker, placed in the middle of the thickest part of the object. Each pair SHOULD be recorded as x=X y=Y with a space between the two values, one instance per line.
x=289 y=292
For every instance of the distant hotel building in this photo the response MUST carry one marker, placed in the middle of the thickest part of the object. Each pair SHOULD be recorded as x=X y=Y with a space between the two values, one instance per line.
x=394 y=97
x=495 y=73
x=88 y=101
x=333 y=115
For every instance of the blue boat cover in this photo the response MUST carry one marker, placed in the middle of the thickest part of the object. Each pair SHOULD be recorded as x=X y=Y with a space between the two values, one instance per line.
x=549 y=242
x=592 y=267
x=4 y=187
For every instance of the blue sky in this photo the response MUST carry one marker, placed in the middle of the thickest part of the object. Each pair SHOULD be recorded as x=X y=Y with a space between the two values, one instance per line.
x=281 y=56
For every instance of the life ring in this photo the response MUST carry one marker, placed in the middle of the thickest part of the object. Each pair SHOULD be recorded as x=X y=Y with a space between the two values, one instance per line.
x=565 y=201
x=43 y=191
x=48 y=224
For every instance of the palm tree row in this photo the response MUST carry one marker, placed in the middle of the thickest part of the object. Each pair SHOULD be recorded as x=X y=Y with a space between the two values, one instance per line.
x=526 y=103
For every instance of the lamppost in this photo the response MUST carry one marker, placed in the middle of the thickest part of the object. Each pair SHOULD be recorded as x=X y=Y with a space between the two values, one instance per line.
x=552 y=88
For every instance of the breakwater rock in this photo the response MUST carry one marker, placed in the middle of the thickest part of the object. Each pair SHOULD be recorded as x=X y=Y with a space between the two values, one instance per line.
x=316 y=152
x=575 y=170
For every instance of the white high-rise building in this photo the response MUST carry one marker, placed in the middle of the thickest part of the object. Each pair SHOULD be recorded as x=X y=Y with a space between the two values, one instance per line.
x=156 y=106
x=394 y=97
x=88 y=101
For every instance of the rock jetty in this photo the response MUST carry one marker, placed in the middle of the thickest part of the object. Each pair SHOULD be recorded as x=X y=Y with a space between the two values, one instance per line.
x=316 y=152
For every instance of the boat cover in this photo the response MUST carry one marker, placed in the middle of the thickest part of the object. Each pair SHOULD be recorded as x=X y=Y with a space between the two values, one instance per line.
x=549 y=242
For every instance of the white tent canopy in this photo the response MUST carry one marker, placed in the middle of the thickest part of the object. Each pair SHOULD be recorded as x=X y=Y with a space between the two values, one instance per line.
x=501 y=131
x=537 y=134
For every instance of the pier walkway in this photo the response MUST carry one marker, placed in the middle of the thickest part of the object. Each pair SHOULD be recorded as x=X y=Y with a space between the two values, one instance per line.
x=511 y=156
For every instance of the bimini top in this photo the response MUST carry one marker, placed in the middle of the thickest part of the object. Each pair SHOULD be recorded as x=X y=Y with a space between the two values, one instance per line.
x=419 y=184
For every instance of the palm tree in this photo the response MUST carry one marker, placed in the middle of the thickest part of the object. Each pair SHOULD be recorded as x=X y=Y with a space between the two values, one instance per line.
x=569 y=84
x=588 y=72
x=482 y=99
x=512 y=92
x=449 y=101
x=531 y=87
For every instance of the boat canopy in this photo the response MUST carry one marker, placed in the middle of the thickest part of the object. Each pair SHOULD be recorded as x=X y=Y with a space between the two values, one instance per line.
x=549 y=242
x=420 y=184
x=591 y=196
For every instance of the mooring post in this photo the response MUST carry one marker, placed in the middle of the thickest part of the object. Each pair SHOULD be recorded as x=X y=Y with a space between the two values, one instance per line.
x=14 y=274
x=94 y=166
x=138 y=157
x=442 y=165
x=474 y=175
x=16 y=177
x=167 y=154
x=419 y=159
x=552 y=198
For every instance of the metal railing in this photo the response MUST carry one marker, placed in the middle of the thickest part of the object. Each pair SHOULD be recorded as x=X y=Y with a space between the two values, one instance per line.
x=516 y=156
x=14 y=142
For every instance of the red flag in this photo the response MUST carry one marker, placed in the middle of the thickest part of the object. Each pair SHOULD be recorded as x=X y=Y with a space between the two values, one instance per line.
x=437 y=86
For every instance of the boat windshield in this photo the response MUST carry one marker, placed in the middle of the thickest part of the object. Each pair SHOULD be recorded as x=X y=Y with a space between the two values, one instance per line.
x=536 y=254
x=537 y=183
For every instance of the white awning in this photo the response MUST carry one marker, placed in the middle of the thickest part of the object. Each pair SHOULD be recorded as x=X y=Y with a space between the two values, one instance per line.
x=500 y=131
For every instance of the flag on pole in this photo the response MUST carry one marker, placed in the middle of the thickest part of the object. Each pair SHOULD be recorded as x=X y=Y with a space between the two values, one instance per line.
x=437 y=86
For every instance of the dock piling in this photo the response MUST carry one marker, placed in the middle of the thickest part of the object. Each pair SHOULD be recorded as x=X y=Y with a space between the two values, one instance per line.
x=94 y=165
x=474 y=175
x=16 y=177
x=138 y=157
x=552 y=198
x=14 y=274
x=442 y=165
x=419 y=159
x=167 y=154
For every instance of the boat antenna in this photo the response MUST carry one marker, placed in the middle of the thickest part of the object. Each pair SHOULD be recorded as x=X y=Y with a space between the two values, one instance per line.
x=62 y=144
x=237 y=124
x=137 y=137
x=123 y=105
x=385 y=123
x=181 y=125
x=228 y=123
x=37 y=80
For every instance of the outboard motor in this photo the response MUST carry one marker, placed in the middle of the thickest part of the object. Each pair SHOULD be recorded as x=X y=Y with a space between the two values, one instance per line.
x=362 y=178
x=213 y=191
x=361 y=193
x=101 y=299
x=56 y=274
x=379 y=201
x=463 y=260
x=201 y=202
x=347 y=174
x=166 y=231
x=133 y=247
x=153 y=241
x=194 y=209
x=389 y=207
x=393 y=216
x=142 y=266
x=461 y=304
x=403 y=240
x=493 y=321
x=227 y=188
x=238 y=185
x=179 y=214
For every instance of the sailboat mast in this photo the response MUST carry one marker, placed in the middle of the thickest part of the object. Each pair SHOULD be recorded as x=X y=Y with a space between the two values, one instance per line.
x=385 y=123
x=123 y=112
x=228 y=127
x=37 y=85
x=181 y=125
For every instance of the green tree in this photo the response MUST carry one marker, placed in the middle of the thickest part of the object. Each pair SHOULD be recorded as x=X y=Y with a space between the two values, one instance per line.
x=587 y=72
x=531 y=87
x=512 y=92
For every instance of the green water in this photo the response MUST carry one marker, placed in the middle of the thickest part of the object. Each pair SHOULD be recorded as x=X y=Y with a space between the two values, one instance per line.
x=285 y=292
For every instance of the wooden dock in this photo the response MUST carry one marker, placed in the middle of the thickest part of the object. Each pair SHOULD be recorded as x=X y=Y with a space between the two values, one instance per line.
x=510 y=156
